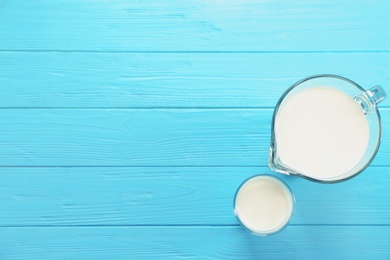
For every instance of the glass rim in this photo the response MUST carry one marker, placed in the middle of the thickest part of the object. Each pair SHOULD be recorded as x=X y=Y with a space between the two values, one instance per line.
x=279 y=227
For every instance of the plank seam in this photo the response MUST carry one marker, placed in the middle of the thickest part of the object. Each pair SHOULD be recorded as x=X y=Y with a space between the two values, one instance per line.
x=184 y=225
x=151 y=166
x=194 y=51
x=150 y=108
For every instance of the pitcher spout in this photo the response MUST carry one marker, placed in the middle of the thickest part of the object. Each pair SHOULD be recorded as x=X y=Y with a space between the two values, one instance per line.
x=274 y=163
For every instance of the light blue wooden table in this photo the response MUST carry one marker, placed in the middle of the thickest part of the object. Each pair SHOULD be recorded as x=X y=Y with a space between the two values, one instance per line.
x=126 y=127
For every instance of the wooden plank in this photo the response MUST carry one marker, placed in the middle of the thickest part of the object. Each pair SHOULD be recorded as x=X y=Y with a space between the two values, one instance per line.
x=142 y=137
x=175 y=196
x=302 y=242
x=173 y=80
x=194 y=25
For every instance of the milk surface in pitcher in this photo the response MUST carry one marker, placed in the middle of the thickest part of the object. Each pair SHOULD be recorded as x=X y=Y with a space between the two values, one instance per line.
x=321 y=132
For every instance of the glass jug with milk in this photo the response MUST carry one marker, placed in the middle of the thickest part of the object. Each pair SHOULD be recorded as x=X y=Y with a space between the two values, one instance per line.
x=325 y=128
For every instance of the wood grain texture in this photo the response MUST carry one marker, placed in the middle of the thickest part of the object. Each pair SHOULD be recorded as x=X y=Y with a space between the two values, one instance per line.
x=126 y=126
x=77 y=80
x=330 y=242
x=194 y=25
x=176 y=196
x=142 y=137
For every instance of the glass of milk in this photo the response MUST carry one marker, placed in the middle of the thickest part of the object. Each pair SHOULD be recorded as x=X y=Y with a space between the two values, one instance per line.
x=263 y=204
x=325 y=128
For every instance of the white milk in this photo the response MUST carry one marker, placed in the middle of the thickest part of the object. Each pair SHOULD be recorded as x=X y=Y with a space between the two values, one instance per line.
x=264 y=204
x=321 y=132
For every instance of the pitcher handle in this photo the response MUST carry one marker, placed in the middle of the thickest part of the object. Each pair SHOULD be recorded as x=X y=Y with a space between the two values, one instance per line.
x=371 y=98
x=376 y=94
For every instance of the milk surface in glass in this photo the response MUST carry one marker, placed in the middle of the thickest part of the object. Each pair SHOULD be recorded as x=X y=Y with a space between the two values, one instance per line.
x=264 y=204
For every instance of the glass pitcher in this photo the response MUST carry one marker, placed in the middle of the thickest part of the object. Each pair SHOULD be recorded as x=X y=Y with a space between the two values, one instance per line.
x=367 y=101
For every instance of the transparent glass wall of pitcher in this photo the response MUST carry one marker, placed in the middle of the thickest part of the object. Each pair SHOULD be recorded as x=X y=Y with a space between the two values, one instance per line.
x=325 y=128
